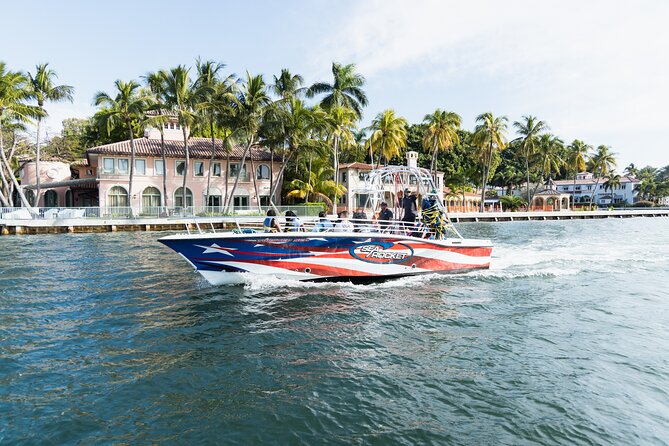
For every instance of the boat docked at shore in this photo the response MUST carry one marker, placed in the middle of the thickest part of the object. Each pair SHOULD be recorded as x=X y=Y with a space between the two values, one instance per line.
x=365 y=250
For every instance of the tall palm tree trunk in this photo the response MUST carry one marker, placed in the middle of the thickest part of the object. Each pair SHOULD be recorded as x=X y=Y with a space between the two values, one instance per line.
x=255 y=182
x=486 y=173
x=5 y=188
x=573 y=194
x=239 y=171
x=281 y=172
x=132 y=167
x=271 y=175
x=433 y=166
x=24 y=200
x=592 y=195
x=211 y=163
x=227 y=172
x=311 y=156
x=162 y=153
x=37 y=164
x=183 y=184
x=336 y=173
x=527 y=185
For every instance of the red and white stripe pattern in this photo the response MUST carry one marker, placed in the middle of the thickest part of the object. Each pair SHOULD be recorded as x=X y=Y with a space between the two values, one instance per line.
x=329 y=257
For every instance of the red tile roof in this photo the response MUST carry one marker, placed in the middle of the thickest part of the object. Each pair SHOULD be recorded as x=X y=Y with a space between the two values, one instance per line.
x=199 y=148
x=356 y=165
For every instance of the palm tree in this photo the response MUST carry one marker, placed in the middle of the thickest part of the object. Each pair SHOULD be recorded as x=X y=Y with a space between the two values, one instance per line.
x=296 y=126
x=250 y=107
x=341 y=121
x=512 y=202
x=631 y=170
x=529 y=131
x=602 y=161
x=183 y=97
x=613 y=181
x=489 y=136
x=441 y=134
x=216 y=105
x=14 y=93
x=129 y=104
x=578 y=151
x=12 y=128
x=288 y=86
x=155 y=82
x=389 y=135
x=345 y=91
x=42 y=89
x=548 y=158
x=319 y=184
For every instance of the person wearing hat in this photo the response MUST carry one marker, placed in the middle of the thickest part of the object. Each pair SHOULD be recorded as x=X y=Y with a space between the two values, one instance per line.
x=385 y=216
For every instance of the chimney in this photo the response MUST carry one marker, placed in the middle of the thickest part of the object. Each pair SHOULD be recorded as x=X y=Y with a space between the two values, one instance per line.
x=412 y=159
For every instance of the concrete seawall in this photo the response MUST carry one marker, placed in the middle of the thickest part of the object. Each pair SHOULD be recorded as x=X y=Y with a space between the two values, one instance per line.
x=462 y=217
x=81 y=225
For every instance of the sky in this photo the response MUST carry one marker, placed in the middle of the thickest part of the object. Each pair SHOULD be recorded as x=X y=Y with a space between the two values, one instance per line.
x=593 y=70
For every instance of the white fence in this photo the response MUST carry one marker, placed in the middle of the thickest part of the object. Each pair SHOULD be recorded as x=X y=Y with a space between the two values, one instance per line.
x=14 y=213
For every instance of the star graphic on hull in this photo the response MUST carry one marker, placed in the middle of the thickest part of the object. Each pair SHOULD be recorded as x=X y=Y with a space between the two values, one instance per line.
x=215 y=248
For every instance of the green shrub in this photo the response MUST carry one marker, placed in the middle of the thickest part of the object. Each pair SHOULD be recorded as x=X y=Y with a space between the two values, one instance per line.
x=644 y=204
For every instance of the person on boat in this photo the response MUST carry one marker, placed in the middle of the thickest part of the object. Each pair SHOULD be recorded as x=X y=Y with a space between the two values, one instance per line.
x=293 y=223
x=271 y=224
x=324 y=224
x=360 y=220
x=410 y=209
x=385 y=216
x=344 y=225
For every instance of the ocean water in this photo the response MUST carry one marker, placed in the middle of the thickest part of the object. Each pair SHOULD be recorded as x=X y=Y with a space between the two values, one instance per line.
x=111 y=338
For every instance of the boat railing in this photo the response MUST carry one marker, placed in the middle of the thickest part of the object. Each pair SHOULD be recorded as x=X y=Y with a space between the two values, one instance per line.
x=325 y=225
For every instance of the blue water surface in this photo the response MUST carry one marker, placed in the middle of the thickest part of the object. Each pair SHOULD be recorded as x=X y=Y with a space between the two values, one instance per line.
x=111 y=338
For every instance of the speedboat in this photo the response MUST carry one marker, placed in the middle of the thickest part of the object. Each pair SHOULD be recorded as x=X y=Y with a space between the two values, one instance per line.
x=374 y=250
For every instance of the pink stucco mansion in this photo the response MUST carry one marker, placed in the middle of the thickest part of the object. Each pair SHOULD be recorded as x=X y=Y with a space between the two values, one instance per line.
x=101 y=179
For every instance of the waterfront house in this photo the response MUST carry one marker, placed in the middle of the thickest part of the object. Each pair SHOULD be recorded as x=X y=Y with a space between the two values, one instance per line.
x=587 y=185
x=102 y=178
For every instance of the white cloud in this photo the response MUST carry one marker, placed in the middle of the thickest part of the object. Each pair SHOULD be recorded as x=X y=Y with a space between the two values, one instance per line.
x=588 y=67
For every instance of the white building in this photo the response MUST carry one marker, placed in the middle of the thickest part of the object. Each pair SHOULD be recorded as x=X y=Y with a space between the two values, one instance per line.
x=586 y=185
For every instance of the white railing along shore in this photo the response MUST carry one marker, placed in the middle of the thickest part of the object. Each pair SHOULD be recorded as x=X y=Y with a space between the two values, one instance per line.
x=120 y=212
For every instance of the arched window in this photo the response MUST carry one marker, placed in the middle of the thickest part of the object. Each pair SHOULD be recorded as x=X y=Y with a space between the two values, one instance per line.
x=68 y=199
x=117 y=197
x=50 y=199
x=30 y=196
x=178 y=198
x=262 y=172
x=151 y=200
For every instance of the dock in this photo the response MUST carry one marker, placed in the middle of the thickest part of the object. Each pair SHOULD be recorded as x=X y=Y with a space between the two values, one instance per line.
x=195 y=224
x=465 y=217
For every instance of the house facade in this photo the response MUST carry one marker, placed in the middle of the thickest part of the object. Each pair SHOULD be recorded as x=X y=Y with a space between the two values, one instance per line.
x=102 y=179
x=586 y=186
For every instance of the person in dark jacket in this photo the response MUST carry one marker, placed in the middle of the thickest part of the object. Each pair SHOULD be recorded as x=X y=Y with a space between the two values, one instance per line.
x=385 y=216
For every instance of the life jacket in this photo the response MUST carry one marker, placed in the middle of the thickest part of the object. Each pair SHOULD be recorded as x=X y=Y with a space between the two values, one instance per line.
x=268 y=225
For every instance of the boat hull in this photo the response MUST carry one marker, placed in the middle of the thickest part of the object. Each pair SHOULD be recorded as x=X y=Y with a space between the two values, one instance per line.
x=358 y=257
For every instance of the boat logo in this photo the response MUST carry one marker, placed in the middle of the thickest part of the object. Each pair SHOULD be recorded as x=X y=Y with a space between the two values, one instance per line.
x=382 y=252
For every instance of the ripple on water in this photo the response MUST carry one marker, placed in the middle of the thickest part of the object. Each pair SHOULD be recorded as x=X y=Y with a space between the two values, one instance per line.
x=112 y=338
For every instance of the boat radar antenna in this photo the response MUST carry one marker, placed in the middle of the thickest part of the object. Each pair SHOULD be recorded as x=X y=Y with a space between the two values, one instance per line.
x=401 y=178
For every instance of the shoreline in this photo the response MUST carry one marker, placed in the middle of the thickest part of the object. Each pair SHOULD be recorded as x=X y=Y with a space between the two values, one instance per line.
x=81 y=225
